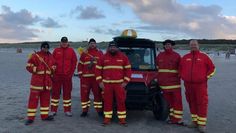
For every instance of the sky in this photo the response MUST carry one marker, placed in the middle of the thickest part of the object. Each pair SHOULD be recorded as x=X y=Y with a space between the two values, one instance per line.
x=80 y=20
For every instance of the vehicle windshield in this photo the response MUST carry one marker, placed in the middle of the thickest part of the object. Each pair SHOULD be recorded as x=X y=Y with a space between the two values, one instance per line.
x=140 y=58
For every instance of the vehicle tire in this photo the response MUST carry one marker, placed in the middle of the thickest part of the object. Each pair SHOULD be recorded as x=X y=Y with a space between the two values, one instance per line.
x=160 y=107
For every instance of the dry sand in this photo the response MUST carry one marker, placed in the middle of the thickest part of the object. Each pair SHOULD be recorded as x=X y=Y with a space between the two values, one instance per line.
x=14 y=91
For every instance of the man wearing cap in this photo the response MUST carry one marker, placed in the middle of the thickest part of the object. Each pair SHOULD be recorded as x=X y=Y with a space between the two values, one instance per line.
x=42 y=66
x=169 y=81
x=86 y=71
x=66 y=60
x=196 y=68
x=113 y=73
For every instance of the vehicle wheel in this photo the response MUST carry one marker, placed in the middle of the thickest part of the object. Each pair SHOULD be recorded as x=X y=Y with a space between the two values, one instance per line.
x=160 y=107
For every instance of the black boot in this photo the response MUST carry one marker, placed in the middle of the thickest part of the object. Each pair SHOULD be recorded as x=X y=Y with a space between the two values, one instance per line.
x=49 y=118
x=84 y=114
x=28 y=122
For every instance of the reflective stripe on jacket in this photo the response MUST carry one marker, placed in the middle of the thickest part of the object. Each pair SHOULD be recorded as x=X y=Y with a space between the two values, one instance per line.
x=88 y=61
x=113 y=69
x=41 y=73
x=66 y=61
x=196 y=67
x=168 y=65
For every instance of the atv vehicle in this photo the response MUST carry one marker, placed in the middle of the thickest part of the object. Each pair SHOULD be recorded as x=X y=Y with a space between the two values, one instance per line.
x=143 y=91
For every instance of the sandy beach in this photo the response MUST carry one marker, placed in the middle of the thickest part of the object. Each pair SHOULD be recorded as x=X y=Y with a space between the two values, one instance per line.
x=14 y=92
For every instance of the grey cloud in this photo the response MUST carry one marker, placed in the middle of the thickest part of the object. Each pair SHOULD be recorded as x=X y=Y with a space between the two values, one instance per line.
x=14 y=25
x=16 y=33
x=89 y=12
x=204 y=10
x=125 y=22
x=22 y=17
x=115 y=3
x=196 y=21
x=50 y=23
x=113 y=32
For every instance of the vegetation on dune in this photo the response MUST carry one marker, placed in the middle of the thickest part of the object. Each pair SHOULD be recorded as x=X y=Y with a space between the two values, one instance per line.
x=52 y=44
x=217 y=45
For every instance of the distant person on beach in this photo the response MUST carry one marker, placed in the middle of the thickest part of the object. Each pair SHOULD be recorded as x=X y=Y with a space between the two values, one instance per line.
x=196 y=68
x=19 y=50
x=169 y=81
x=66 y=60
x=42 y=66
x=227 y=55
x=86 y=71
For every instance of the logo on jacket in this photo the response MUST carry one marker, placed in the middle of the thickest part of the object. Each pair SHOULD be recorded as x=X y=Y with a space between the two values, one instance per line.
x=188 y=59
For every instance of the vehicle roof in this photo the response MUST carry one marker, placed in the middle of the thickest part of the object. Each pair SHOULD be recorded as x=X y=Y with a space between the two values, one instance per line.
x=134 y=42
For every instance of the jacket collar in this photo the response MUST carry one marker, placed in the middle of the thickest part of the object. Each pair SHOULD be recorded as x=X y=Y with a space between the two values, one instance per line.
x=195 y=52
x=168 y=51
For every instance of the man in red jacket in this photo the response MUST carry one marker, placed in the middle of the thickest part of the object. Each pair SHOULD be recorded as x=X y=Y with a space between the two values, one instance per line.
x=42 y=66
x=86 y=71
x=66 y=60
x=113 y=73
x=169 y=81
x=195 y=69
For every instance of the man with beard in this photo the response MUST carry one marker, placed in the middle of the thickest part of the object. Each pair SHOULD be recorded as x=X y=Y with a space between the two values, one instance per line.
x=86 y=71
x=169 y=81
x=113 y=73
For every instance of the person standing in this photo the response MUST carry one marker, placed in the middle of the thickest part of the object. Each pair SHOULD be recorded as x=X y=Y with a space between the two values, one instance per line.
x=86 y=71
x=66 y=60
x=195 y=70
x=42 y=66
x=113 y=73
x=169 y=81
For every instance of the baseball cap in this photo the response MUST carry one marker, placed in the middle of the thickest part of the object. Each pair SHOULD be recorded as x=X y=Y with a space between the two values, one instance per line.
x=169 y=41
x=45 y=45
x=64 y=39
x=112 y=43
x=92 y=40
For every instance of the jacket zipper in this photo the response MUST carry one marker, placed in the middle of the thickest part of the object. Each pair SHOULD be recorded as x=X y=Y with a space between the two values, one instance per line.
x=63 y=60
x=45 y=74
x=192 y=66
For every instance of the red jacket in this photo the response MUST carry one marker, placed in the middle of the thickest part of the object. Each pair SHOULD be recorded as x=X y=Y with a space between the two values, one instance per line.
x=85 y=68
x=66 y=61
x=196 y=67
x=41 y=73
x=113 y=69
x=168 y=65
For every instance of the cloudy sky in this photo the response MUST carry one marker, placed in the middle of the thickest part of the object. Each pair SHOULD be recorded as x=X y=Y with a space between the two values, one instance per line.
x=79 y=20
